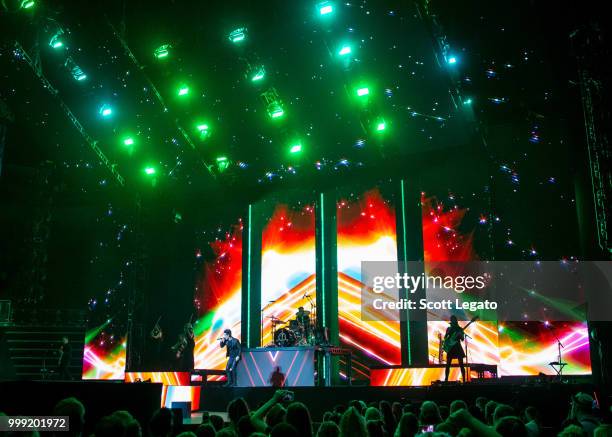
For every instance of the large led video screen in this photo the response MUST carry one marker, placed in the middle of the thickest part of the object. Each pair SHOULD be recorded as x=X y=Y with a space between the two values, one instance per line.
x=104 y=351
x=218 y=294
x=288 y=269
x=366 y=232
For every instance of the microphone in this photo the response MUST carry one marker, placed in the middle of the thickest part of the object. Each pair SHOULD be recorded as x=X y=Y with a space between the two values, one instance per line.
x=220 y=338
x=271 y=301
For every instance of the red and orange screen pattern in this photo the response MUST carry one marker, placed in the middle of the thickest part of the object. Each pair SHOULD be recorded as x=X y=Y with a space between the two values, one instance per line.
x=218 y=299
x=104 y=353
x=288 y=266
x=366 y=232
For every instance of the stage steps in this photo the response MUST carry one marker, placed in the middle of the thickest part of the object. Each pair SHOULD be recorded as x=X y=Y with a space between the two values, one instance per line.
x=33 y=351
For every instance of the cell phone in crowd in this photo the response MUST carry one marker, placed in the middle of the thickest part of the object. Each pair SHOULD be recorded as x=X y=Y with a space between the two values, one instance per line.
x=288 y=397
x=427 y=428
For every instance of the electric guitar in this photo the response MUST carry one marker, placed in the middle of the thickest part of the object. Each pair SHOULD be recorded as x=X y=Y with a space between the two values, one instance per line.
x=453 y=339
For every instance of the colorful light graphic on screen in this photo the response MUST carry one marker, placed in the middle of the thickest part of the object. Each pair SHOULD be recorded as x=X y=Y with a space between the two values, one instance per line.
x=527 y=348
x=366 y=232
x=165 y=378
x=104 y=354
x=288 y=266
x=218 y=299
x=517 y=348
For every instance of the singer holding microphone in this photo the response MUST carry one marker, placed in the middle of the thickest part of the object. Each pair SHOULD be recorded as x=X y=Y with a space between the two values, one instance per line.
x=232 y=346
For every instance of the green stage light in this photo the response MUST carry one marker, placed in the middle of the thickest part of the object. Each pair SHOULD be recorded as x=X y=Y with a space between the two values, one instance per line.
x=345 y=50
x=296 y=148
x=258 y=73
x=325 y=8
x=222 y=163
x=27 y=4
x=149 y=170
x=238 y=35
x=56 y=41
x=452 y=60
x=128 y=141
x=162 y=51
x=381 y=125
x=364 y=91
x=204 y=130
x=183 y=90
x=106 y=111
x=275 y=110
x=467 y=101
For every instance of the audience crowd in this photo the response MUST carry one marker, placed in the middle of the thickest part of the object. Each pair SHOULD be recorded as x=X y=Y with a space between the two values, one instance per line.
x=282 y=416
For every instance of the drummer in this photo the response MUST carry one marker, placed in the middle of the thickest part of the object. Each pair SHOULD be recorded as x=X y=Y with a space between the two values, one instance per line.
x=303 y=319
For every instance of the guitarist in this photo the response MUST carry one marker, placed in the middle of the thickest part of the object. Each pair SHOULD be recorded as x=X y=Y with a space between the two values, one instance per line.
x=452 y=345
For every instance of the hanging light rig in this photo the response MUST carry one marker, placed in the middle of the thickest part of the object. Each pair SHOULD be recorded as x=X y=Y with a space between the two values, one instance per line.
x=76 y=71
x=238 y=36
x=273 y=103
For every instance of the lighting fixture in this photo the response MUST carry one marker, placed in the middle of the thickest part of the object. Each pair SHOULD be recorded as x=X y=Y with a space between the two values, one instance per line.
x=238 y=35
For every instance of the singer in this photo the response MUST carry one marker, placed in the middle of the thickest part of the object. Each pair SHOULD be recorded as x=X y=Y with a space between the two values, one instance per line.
x=232 y=346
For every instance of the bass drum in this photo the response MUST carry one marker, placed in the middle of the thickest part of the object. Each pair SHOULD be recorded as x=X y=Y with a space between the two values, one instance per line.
x=284 y=337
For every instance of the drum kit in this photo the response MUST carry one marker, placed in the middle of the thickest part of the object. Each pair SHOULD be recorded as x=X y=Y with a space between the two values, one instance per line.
x=299 y=331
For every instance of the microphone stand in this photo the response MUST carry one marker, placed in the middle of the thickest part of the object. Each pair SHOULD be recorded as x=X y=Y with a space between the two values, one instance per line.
x=468 y=376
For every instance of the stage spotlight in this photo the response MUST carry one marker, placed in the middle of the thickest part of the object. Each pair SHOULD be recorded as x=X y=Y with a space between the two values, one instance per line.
x=275 y=110
x=128 y=141
x=204 y=130
x=467 y=101
x=106 y=111
x=56 y=41
x=345 y=50
x=222 y=163
x=183 y=90
x=258 y=73
x=296 y=148
x=238 y=35
x=325 y=8
x=452 y=60
x=27 y=4
x=363 y=91
x=76 y=71
x=149 y=171
x=162 y=51
x=381 y=125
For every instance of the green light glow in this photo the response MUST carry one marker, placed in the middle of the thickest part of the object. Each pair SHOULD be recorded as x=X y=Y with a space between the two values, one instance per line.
x=238 y=35
x=162 y=51
x=452 y=60
x=106 y=111
x=363 y=91
x=325 y=8
x=296 y=148
x=129 y=141
x=467 y=102
x=183 y=90
x=204 y=130
x=344 y=50
x=222 y=163
x=258 y=74
x=150 y=170
x=381 y=126
x=275 y=110
x=56 y=41
x=27 y=4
